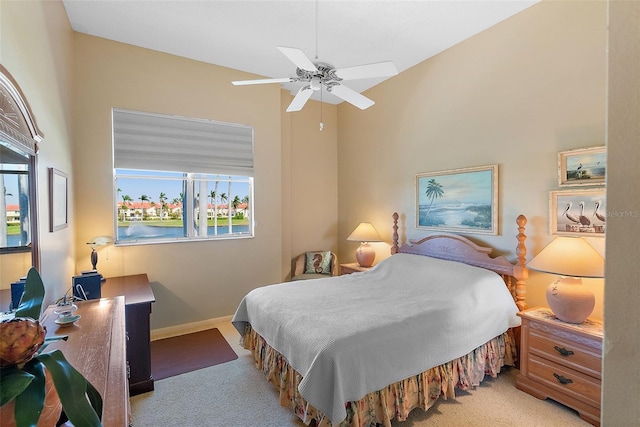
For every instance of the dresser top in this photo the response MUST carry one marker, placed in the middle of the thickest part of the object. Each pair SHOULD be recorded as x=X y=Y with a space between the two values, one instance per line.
x=544 y=314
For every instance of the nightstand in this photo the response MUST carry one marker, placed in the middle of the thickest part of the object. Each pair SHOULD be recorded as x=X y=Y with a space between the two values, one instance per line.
x=561 y=361
x=353 y=267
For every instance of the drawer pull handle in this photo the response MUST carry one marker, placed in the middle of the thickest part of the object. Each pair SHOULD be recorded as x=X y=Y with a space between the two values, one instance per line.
x=563 y=351
x=563 y=380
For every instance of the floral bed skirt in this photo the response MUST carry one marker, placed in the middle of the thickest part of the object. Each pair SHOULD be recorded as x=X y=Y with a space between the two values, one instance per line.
x=395 y=400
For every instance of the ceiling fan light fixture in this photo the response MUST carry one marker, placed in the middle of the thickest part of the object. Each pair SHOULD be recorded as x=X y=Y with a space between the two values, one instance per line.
x=316 y=83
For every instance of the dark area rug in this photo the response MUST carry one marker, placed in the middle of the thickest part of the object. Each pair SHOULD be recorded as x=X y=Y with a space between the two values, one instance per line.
x=190 y=352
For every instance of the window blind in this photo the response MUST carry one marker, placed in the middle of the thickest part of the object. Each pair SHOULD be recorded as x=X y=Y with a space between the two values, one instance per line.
x=149 y=141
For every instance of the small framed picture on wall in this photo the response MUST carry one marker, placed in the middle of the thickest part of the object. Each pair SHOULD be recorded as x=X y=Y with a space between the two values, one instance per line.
x=578 y=212
x=585 y=166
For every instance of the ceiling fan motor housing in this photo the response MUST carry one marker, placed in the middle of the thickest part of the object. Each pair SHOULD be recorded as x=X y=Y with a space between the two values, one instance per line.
x=324 y=73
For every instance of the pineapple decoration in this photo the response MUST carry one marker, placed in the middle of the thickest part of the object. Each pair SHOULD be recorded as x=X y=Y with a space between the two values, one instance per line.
x=20 y=339
x=25 y=369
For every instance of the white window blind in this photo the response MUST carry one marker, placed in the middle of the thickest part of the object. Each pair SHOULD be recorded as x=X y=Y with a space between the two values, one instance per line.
x=158 y=142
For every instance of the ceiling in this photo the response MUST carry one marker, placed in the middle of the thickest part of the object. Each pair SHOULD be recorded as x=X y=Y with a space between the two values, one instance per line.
x=244 y=35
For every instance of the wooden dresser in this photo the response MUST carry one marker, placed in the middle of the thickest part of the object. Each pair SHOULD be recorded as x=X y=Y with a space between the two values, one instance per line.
x=138 y=297
x=562 y=361
x=96 y=347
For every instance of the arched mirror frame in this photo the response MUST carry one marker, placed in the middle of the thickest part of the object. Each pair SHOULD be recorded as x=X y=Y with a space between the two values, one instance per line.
x=18 y=128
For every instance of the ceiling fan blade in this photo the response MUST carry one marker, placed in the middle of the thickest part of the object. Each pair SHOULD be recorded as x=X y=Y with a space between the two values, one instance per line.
x=299 y=58
x=262 y=81
x=379 y=69
x=351 y=96
x=300 y=99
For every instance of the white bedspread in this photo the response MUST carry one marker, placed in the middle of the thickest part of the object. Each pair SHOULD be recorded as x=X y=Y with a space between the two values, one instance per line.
x=354 y=334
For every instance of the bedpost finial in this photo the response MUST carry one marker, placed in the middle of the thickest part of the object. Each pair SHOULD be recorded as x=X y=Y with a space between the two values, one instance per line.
x=521 y=220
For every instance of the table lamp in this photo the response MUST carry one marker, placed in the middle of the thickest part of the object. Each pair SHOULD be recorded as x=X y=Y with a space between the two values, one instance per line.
x=95 y=242
x=572 y=258
x=365 y=233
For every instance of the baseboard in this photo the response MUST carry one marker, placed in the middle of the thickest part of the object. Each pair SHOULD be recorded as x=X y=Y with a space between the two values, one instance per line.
x=188 y=328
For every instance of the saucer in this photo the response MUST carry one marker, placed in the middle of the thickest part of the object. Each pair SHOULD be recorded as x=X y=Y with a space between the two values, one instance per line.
x=67 y=320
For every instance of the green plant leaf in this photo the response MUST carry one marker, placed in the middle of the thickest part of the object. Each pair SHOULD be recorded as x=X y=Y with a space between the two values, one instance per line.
x=30 y=402
x=81 y=402
x=31 y=305
x=14 y=382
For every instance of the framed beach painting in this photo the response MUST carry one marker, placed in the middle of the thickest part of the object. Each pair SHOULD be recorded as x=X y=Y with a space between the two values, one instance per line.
x=578 y=212
x=585 y=166
x=458 y=200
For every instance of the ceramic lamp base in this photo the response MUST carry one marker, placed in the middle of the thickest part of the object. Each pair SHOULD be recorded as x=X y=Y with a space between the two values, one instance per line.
x=570 y=300
x=365 y=255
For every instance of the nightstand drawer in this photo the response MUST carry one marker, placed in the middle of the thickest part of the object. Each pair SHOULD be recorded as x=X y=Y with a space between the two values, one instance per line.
x=568 y=381
x=565 y=353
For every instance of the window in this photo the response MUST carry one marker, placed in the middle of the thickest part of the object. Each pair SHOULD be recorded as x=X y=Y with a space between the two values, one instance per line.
x=179 y=179
x=15 y=224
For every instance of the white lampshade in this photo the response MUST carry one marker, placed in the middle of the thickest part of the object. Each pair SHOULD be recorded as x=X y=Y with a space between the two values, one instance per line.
x=569 y=256
x=572 y=258
x=100 y=241
x=95 y=242
x=365 y=233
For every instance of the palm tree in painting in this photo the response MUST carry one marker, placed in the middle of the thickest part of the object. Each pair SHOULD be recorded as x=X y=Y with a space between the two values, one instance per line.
x=434 y=191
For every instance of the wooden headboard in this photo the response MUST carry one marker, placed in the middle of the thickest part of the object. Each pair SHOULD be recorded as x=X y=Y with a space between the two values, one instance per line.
x=454 y=247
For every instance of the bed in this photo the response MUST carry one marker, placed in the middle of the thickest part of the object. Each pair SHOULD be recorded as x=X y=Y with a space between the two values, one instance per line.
x=365 y=348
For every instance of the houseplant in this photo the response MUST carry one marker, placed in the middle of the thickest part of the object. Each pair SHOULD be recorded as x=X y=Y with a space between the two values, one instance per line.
x=26 y=370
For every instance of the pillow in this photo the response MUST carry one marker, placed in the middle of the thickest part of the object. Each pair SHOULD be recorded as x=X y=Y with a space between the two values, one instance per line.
x=318 y=262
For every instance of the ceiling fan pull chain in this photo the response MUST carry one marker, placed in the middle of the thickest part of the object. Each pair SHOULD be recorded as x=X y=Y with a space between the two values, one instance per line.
x=321 y=123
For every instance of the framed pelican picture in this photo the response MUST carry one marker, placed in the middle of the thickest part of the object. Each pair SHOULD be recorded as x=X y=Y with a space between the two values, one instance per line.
x=458 y=200
x=585 y=166
x=578 y=212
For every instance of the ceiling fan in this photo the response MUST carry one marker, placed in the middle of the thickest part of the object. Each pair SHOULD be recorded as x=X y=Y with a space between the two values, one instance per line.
x=319 y=74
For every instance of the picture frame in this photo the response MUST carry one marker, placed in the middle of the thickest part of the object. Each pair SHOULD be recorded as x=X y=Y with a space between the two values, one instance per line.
x=584 y=166
x=58 y=200
x=458 y=200
x=578 y=212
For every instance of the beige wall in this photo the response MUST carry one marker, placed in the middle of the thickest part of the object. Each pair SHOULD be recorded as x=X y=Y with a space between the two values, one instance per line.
x=314 y=179
x=621 y=373
x=514 y=95
x=36 y=48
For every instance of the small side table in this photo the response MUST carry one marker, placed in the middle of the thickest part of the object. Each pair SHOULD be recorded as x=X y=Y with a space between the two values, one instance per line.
x=353 y=267
x=562 y=361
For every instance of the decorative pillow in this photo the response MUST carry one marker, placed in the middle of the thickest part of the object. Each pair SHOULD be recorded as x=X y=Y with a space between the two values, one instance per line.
x=318 y=263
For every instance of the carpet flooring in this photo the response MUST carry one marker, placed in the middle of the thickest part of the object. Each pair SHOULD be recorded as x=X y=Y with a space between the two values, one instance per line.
x=236 y=394
x=190 y=352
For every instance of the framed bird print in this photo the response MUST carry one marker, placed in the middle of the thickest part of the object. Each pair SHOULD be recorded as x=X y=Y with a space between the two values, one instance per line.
x=578 y=212
x=584 y=166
